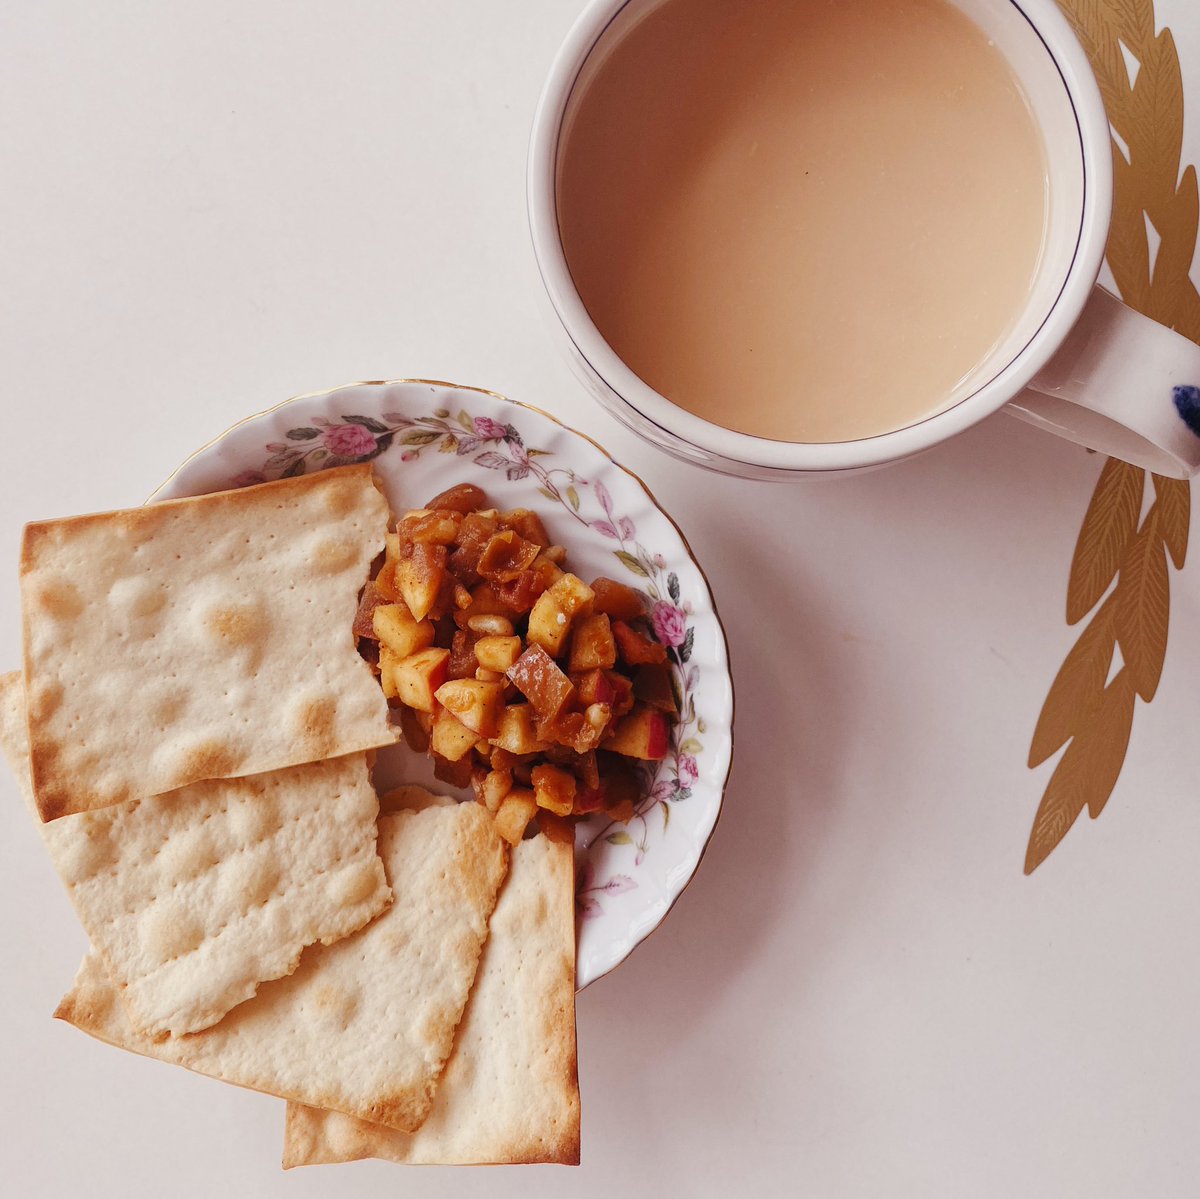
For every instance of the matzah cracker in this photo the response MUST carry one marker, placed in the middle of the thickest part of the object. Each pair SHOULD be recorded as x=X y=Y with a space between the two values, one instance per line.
x=510 y=1093
x=196 y=897
x=200 y=638
x=364 y=1026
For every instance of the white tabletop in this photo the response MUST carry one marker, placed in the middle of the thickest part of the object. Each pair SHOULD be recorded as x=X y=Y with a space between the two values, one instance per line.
x=206 y=208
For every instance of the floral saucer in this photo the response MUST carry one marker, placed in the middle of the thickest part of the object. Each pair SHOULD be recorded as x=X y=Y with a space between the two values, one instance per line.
x=423 y=436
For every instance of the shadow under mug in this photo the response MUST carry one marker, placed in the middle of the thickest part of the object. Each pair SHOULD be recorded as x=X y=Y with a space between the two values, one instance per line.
x=1078 y=362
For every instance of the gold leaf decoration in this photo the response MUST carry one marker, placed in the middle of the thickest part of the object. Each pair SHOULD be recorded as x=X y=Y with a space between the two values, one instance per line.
x=1142 y=606
x=1093 y=720
x=1109 y=526
x=1087 y=772
x=1078 y=686
x=1174 y=499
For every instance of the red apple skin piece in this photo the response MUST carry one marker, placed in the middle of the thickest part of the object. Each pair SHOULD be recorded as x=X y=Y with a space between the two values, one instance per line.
x=643 y=734
x=593 y=687
x=604 y=687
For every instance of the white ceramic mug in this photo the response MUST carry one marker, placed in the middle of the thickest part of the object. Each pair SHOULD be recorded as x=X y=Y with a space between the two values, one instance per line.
x=1078 y=362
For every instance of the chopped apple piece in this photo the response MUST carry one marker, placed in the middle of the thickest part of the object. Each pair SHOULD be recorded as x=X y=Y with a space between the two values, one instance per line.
x=497 y=653
x=550 y=620
x=522 y=592
x=364 y=618
x=502 y=759
x=604 y=687
x=555 y=828
x=588 y=801
x=617 y=600
x=554 y=789
x=579 y=731
x=496 y=785
x=419 y=577
x=623 y=811
x=636 y=648
x=463 y=497
x=476 y=704
x=644 y=734
x=547 y=569
x=539 y=679
x=506 y=556
x=549 y=624
x=454 y=774
x=652 y=686
x=618 y=779
x=463 y=663
x=418 y=676
x=587 y=769
x=516 y=810
x=526 y=523
x=416 y=727
x=388 y=661
x=395 y=627
x=450 y=737
x=385 y=583
x=518 y=732
x=593 y=687
x=436 y=528
x=592 y=644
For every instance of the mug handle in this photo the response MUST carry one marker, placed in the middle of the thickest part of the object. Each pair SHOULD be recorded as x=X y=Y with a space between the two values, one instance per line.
x=1124 y=385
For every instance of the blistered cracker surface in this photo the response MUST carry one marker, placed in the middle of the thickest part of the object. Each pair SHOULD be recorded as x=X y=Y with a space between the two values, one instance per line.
x=510 y=1093
x=199 y=638
x=195 y=898
x=363 y=1026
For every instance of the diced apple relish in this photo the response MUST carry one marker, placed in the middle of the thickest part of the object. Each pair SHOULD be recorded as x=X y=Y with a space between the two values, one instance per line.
x=538 y=690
